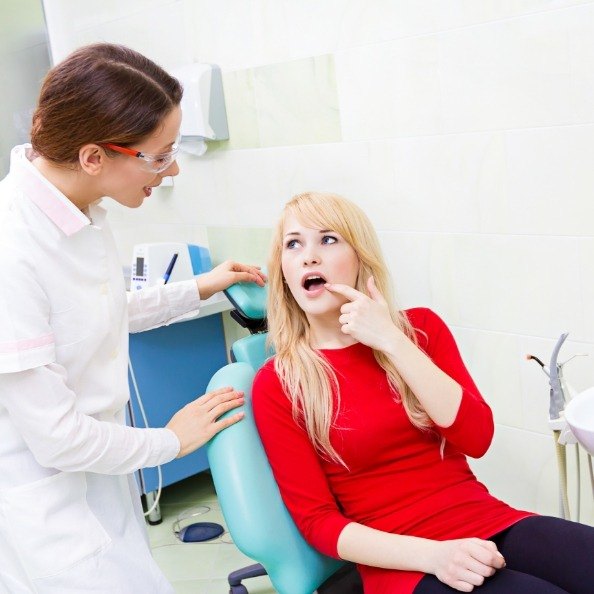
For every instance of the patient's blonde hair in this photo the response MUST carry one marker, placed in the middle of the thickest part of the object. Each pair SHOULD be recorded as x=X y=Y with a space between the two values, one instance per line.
x=306 y=376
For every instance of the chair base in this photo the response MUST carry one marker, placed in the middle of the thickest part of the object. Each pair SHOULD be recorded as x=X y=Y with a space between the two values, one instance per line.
x=235 y=578
x=345 y=581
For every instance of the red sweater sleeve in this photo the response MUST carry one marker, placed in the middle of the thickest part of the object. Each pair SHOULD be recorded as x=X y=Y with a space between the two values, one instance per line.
x=472 y=430
x=296 y=465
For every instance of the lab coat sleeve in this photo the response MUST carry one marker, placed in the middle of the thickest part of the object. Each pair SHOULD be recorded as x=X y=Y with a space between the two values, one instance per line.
x=26 y=337
x=43 y=409
x=161 y=305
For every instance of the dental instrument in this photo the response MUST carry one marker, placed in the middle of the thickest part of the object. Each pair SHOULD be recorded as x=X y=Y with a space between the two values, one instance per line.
x=170 y=268
x=562 y=393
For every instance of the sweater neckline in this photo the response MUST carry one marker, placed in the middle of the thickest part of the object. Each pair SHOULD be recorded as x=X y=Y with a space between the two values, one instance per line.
x=356 y=348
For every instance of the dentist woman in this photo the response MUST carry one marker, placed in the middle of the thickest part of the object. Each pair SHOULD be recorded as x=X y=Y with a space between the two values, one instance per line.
x=70 y=522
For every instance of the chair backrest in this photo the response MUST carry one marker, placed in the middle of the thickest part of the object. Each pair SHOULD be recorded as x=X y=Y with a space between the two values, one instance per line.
x=255 y=514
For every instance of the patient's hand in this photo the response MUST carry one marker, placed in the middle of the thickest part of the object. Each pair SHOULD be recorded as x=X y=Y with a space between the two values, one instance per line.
x=464 y=564
x=366 y=317
x=226 y=274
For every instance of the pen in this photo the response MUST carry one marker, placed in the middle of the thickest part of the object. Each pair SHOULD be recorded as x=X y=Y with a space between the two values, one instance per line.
x=169 y=269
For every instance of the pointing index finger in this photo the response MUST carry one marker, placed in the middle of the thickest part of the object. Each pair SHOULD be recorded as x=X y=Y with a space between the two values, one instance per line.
x=344 y=290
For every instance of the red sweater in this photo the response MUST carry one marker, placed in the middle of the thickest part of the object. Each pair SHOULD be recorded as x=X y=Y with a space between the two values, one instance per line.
x=396 y=480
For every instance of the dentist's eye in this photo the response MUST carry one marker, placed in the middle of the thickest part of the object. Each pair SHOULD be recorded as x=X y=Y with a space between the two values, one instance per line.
x=329 y=239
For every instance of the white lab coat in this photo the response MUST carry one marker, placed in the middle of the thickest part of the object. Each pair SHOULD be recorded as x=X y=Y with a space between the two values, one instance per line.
x=70 y=520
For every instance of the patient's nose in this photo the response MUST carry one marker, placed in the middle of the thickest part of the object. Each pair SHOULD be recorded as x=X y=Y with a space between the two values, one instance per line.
x=310 y=258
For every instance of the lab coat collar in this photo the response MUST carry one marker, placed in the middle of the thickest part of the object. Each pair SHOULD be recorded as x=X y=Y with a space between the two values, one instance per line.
x=53 y=203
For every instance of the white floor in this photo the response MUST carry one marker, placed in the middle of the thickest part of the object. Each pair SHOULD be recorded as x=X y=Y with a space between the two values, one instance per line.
x=198 y=568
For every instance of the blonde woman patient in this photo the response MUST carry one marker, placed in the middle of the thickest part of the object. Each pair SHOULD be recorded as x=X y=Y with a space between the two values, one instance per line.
x=367 y=415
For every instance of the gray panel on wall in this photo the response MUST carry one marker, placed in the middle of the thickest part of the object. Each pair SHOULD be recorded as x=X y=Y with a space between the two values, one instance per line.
x=24 y=61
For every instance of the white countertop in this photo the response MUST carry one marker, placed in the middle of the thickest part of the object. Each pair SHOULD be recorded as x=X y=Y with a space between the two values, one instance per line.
x=213 y=305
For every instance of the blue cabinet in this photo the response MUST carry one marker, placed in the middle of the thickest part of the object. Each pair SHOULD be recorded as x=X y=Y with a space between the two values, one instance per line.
x=172 y=366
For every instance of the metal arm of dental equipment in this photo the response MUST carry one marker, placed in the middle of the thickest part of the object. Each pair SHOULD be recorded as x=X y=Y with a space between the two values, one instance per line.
x=560 y=394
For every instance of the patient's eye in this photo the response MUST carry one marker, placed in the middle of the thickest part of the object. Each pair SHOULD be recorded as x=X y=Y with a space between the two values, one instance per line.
x=329 y=239
x=291 y=244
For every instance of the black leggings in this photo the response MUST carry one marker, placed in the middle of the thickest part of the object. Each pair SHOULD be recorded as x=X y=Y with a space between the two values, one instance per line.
x=543 y=555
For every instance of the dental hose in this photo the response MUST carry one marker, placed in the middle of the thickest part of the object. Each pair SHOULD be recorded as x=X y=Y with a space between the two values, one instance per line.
x=578 y=480
x=591 y=473
x=562 y=465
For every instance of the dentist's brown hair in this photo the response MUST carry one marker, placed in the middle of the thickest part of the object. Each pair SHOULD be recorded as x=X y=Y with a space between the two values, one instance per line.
x=101 y=93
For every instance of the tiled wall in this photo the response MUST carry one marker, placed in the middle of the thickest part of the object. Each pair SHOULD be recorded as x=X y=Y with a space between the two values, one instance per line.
x=24 y=60
x=464 y=129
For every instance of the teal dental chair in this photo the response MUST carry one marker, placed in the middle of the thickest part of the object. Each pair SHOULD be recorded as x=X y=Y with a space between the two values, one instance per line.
x=254 y=512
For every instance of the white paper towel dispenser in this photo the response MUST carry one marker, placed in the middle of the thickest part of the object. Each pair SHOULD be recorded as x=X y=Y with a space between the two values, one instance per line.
x=203 y=106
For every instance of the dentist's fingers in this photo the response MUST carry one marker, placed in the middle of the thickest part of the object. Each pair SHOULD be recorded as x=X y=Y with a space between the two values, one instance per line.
x=249 y=277
x=226 y=274
x=199 y=420
x=248 y=273
x=211 y=400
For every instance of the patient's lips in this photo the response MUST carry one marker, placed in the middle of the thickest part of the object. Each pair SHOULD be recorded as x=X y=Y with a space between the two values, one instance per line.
x=313 y=283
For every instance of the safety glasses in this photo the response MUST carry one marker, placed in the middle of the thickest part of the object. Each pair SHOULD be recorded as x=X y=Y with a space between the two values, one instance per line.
x=153 y=163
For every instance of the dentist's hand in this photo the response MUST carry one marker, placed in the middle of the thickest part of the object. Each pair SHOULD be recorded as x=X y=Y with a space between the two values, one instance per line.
x=226 y=274
x=198 y=421
x=366 y=318
x=464 y=564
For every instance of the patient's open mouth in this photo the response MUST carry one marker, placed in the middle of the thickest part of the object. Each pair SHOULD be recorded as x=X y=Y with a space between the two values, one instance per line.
x=313 y=282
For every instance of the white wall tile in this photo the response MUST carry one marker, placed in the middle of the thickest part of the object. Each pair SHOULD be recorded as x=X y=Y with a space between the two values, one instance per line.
x=550 y=180
x=156 y=31
x=493 y=362
x=113 y=10
x=222 y=32
x=71 y=24
x=508 y=74
x=383 y=20
x=257 y=183
x=579 y=25
x=390 y=90
x=364 y=22
x=449 y=183
x=160 y=207
x=515 y=284
x=520 y=468
x=127 y=236
x=585 y=288
x=359 y=171
x=460 y=13
x=408 y=257
x=200 y=194
x=314 y=27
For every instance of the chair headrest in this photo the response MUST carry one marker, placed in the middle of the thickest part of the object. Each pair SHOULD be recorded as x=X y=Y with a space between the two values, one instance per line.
x=249 y=301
